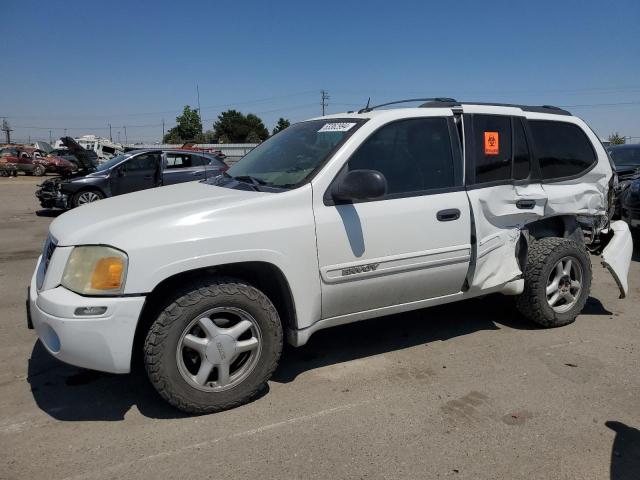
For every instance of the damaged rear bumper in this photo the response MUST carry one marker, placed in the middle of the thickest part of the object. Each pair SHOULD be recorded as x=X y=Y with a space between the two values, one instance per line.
x=616 y=256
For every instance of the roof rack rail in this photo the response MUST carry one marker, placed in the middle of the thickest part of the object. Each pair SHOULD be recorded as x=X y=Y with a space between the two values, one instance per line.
x=409 y=100
x=437 y=103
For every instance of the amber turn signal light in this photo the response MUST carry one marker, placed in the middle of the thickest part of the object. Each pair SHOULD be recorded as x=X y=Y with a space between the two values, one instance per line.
x=107 y=274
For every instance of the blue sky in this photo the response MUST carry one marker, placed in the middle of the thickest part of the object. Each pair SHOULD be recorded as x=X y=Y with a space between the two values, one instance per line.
x=83 y=65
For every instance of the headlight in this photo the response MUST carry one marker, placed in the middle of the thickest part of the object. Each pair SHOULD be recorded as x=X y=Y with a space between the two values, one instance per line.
x=96 y=270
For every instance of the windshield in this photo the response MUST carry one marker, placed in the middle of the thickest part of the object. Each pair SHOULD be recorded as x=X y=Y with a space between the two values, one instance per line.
x=626 y=156
x=290 y=157
x=110 y=163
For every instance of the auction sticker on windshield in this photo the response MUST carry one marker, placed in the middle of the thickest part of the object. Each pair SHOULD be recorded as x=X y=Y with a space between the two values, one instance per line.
x=336 y=127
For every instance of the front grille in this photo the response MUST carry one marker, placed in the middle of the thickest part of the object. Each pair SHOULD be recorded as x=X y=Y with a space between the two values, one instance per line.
x=47 y=252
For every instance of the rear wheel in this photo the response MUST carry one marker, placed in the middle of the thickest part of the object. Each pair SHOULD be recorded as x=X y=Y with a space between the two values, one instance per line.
x=557 y=282
x=86 y=196
x=214 y=346
x=39 y=170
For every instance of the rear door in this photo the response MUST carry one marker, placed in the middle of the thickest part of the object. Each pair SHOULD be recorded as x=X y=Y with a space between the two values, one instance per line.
x=504 y=191
x=182 y=167
x=410 y=245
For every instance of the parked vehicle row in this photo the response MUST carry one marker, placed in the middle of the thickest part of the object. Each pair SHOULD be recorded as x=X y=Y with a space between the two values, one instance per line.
x=126 y=173
x=333 y=220
x=32 y=161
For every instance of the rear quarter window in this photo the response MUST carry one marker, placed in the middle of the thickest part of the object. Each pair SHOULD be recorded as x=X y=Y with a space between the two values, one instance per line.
x=562 y=148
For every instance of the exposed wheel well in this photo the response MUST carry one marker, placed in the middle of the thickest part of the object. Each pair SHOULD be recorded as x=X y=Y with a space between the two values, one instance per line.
x=561 y=226
x=264 y=276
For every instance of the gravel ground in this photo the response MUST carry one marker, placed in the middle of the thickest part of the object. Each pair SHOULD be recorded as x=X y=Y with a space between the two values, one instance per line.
x=464 y=391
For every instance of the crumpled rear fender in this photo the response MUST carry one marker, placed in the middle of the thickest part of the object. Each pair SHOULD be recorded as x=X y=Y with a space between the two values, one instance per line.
x=616 y=256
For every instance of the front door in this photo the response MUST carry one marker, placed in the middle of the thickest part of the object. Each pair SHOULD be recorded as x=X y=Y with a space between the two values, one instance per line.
x=137 y=173
x=411 y=244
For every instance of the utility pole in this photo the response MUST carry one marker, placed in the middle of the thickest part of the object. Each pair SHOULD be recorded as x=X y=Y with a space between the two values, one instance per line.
x=125 y=135
x=199 y=112
x=65 y=132
x=162 y=139
x=6 y=128
x=324 y=100
x=50 y=139
x=110 y=137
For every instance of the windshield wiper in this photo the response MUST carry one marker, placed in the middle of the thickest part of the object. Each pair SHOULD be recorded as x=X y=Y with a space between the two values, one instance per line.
x=248 y=179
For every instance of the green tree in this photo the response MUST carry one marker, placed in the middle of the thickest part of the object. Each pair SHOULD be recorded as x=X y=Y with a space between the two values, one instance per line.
x=234 y=127
x=188 y=128
x=281 y=125
x=616 y=139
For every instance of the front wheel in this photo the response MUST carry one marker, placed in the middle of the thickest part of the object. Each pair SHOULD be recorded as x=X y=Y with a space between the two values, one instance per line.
x=214 y=346
x=557 y=282
x=39 y=170
x=86 y=196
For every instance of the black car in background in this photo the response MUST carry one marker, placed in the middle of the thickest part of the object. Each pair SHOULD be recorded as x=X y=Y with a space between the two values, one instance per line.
x=129 y=172
x=627 y=162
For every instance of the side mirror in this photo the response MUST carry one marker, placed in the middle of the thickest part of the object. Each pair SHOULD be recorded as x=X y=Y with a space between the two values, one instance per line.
x=120 y=171
x=359 y=185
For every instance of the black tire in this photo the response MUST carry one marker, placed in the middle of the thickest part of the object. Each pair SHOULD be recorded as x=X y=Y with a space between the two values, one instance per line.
x=76 y=200
x=39 y=170
x=542 y=257
x=194 y=300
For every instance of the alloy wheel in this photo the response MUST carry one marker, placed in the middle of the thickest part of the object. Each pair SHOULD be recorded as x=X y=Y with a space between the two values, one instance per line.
x=219 y=349
x=564 y=284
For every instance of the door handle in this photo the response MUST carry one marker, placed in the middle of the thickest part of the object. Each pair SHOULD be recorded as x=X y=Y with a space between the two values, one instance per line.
x=197 y=173
x=525 y=204
x=148 y=176
x=448 y=215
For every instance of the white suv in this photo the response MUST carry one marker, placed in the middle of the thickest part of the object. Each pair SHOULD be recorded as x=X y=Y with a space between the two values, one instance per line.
x=333 y=220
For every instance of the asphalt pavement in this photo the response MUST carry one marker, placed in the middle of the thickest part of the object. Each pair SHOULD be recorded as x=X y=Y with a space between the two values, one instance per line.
x=462 y=391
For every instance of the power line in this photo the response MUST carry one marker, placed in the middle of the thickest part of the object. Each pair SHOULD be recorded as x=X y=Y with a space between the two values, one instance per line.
x=220 y=105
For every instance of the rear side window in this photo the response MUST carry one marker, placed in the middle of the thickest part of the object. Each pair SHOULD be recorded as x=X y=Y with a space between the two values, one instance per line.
x=563 y=150
x=178 y=160
x=414 y=155
x=492 y=134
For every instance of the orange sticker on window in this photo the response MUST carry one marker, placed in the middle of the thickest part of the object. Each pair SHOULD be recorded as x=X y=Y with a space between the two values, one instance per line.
x=491 y=143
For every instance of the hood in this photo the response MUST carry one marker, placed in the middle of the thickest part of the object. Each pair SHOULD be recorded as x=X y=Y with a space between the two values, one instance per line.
x=164 y=211
x=44 y=146
x=87 y=159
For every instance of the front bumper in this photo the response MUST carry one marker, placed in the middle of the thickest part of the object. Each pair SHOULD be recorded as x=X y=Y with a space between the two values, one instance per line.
x=102 y=342
x=52 y=198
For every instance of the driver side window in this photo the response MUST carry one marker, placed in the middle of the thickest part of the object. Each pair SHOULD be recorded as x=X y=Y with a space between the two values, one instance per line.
x=144 y=162
x=414 y=155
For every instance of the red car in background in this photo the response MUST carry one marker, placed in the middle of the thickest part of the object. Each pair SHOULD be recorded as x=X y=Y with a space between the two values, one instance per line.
x=31 y=161
x=18 y=160
x=55 y=164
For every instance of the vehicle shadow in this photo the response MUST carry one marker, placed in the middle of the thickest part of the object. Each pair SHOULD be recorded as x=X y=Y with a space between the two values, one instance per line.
x=70 y=393
x=49 y=212
x=625 y=452
x=380 y=335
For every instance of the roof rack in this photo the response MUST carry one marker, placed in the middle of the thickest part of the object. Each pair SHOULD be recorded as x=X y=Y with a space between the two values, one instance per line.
x=410 y=100
x=444 y=103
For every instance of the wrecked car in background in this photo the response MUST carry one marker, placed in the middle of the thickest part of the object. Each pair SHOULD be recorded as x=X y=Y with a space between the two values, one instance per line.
x=17 y=159
x=129 y=172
